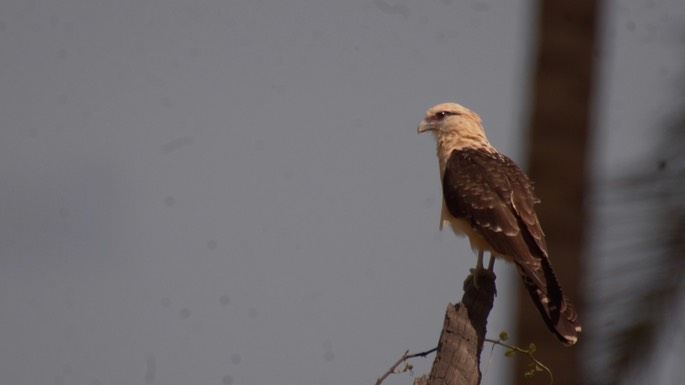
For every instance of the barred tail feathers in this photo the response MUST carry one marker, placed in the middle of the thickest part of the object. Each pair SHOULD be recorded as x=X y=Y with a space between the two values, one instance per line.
x=556 y=310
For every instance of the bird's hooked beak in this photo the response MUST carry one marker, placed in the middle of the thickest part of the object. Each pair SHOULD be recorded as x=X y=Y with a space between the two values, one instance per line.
x=424 y=126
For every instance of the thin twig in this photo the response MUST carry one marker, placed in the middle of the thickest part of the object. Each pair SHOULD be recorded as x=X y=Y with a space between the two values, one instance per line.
x=528 y=352
x=422 y=354
x=404 y=357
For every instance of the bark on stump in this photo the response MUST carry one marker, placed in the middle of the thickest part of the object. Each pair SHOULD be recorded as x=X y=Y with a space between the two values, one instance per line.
x=457 y=360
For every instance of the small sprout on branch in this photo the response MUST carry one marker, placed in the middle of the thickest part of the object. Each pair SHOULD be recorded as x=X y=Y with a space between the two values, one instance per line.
x=407 y=368
x=503 y=335
x=536 y=366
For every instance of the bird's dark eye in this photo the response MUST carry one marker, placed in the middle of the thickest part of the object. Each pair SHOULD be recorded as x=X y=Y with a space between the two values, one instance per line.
x=443 y=114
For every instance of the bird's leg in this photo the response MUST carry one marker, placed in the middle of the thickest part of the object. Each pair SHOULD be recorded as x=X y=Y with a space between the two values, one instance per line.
x=491 y=264
x=478 y=270
x=479 y=263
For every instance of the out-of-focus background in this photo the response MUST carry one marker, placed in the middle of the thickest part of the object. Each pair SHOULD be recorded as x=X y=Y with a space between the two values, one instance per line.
x=233 y=192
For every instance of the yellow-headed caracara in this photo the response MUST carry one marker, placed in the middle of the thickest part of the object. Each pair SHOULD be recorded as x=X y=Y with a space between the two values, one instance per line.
x=488 y=198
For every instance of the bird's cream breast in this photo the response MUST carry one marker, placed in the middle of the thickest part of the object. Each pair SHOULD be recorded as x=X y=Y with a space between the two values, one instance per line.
x=463 y=227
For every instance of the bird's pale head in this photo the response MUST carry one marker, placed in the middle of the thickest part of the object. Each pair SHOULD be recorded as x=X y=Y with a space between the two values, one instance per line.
x=451 y=119
x=454 y=127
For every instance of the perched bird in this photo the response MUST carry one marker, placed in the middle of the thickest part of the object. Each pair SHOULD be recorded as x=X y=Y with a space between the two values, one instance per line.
x=488 y=198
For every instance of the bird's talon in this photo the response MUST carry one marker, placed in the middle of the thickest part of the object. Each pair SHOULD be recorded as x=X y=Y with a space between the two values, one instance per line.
x=474 y=275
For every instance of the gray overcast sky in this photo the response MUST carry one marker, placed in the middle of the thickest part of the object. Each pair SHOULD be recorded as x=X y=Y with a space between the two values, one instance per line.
x=233 y=192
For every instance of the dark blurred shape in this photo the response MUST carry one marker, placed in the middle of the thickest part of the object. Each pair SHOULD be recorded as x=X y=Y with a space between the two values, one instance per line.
x=177 y=143
x=558 y=157
x=644 y=303
x=150 y=369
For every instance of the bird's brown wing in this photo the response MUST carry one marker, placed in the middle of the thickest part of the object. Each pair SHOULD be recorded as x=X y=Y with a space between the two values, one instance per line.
x=496 y=198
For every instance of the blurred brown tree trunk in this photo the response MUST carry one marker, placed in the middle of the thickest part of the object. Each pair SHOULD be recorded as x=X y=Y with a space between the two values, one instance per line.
x=558 y=161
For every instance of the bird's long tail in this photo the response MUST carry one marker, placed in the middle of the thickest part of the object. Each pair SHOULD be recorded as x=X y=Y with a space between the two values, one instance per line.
x=556 y=310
